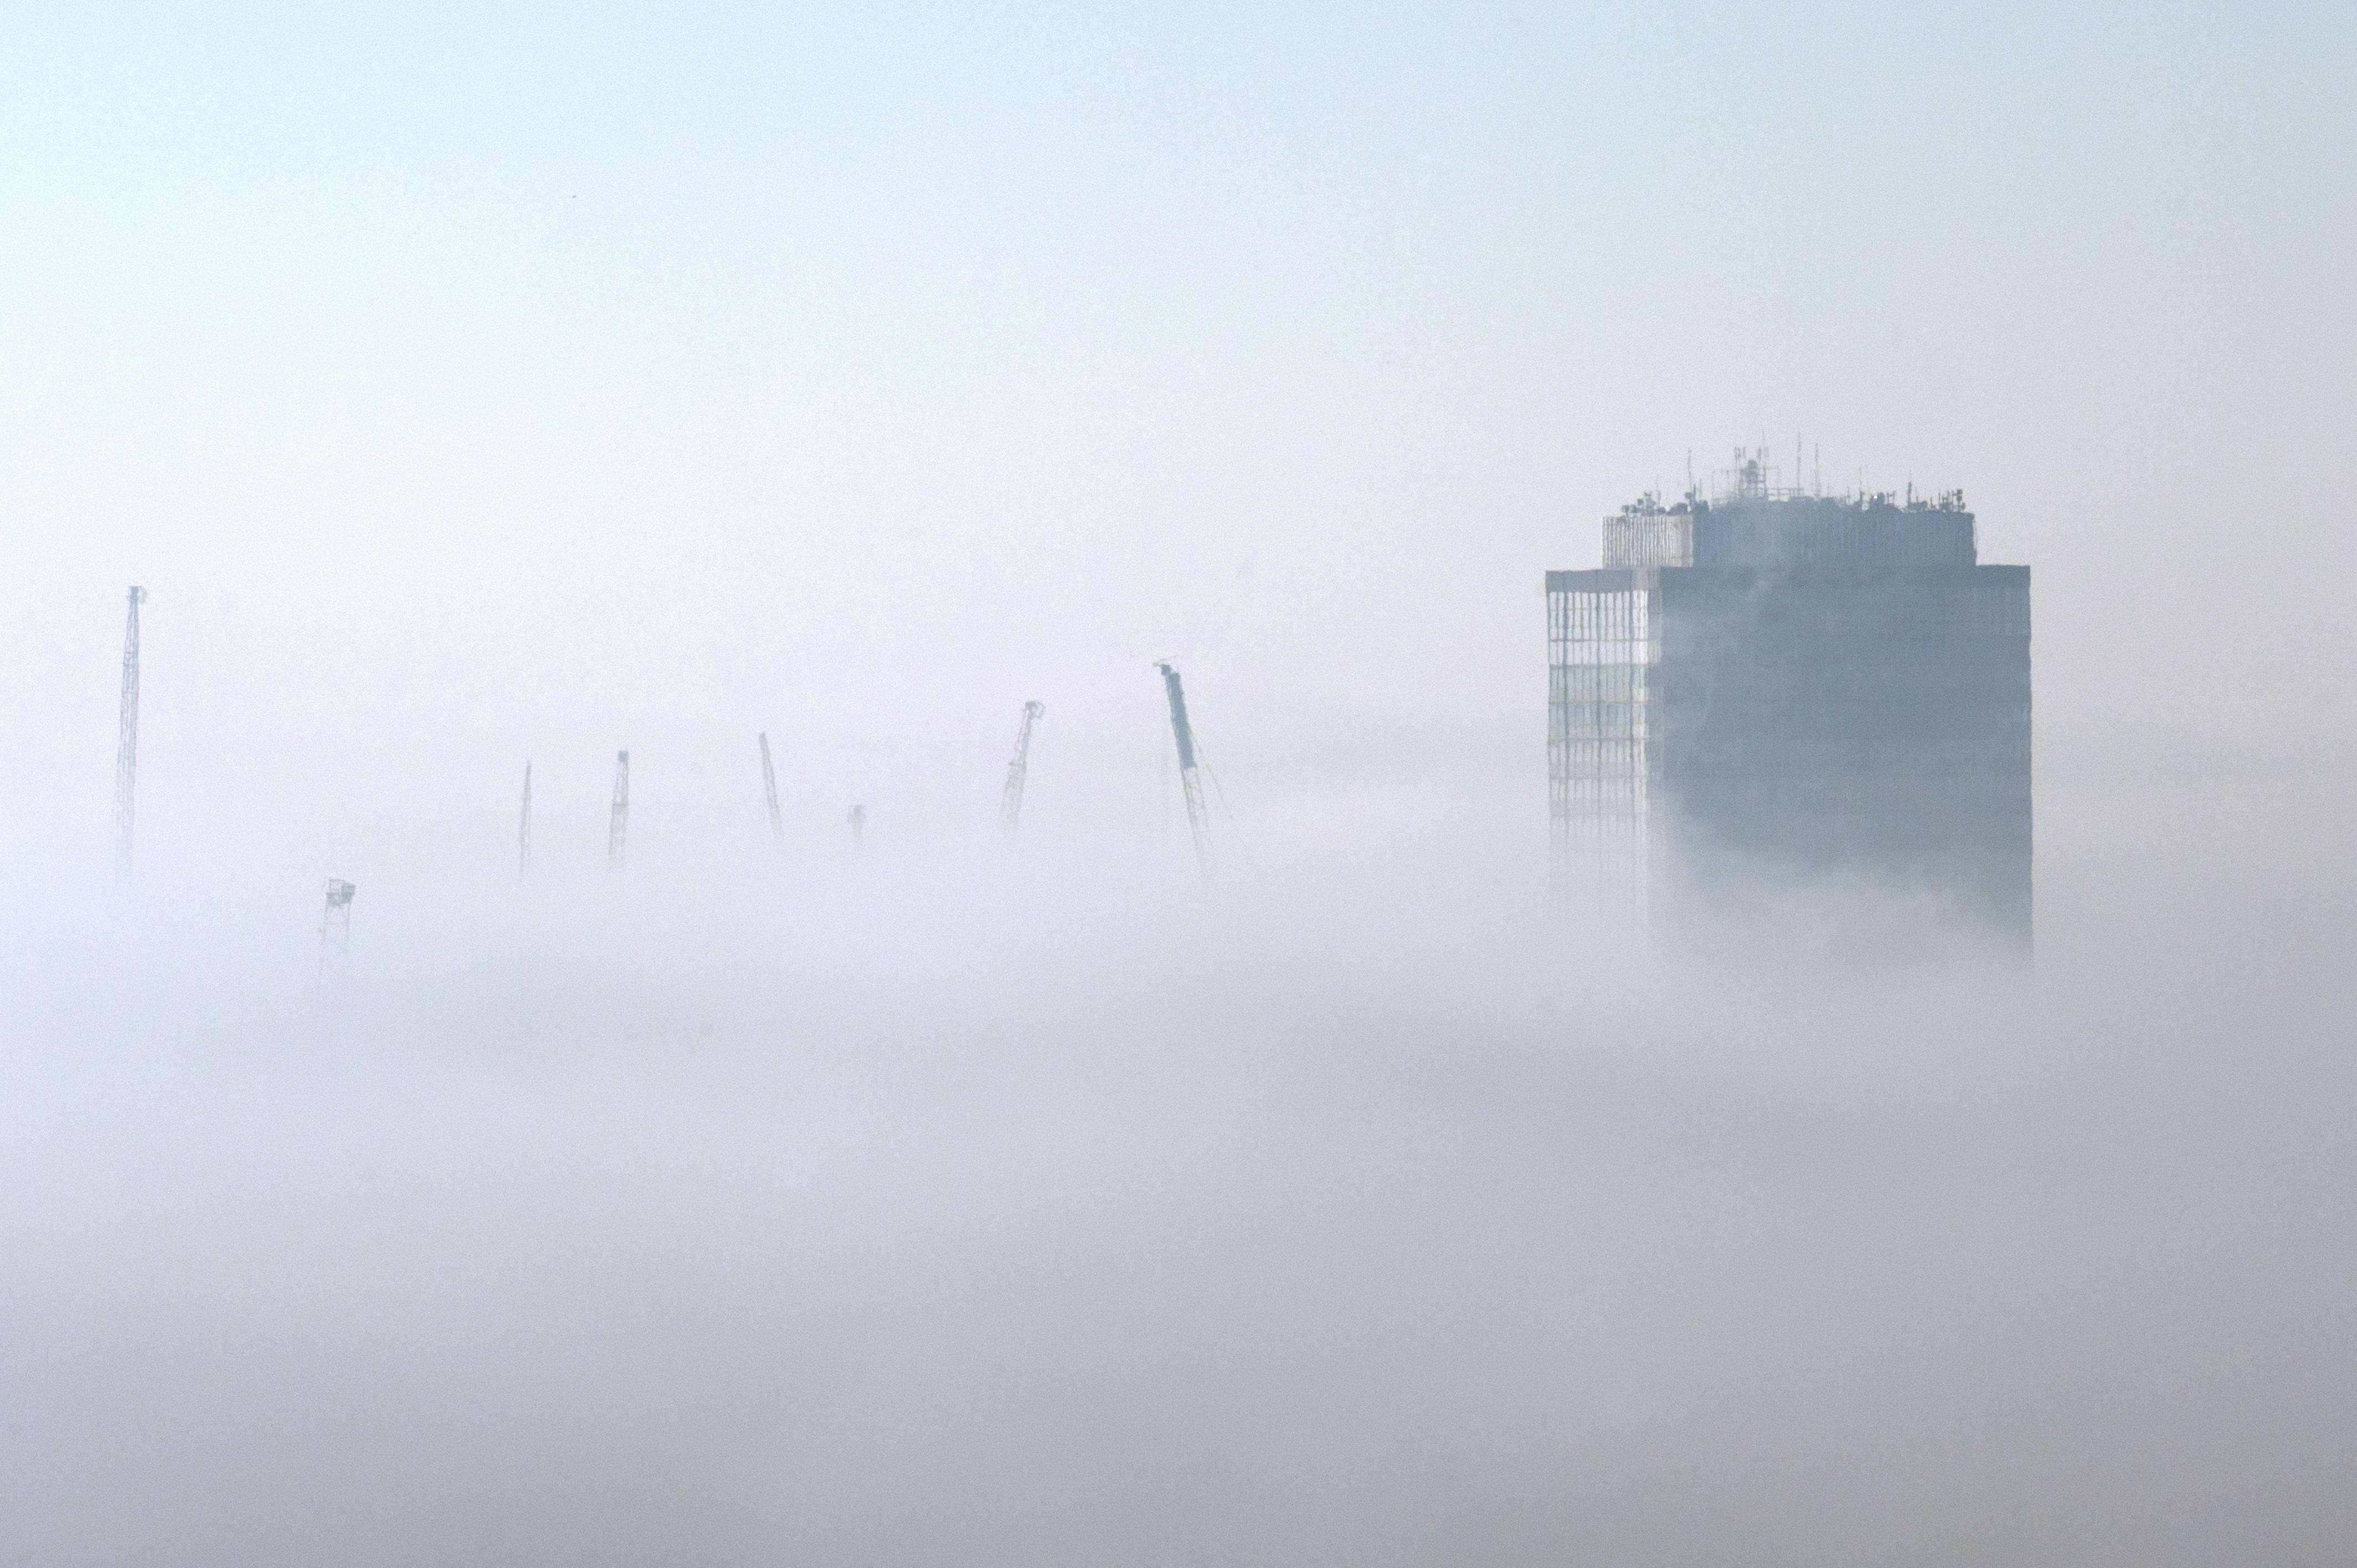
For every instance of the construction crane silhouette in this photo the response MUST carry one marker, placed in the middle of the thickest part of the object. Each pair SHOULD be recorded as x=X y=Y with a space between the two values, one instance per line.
x=126 y=738
x=1010 y=804
x=1190 y=782
x=618 y=830
x=336 y=923
x=770 y=787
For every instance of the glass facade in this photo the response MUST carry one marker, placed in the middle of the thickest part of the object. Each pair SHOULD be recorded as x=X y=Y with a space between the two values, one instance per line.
x=1789 y=687
x=1601 y=649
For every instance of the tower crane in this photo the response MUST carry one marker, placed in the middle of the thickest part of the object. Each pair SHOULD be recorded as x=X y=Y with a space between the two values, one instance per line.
x=1010 y=804
x=335 y=922
x=126 y=738
x=617 y=830
x=770 y=787
x=1190 y=782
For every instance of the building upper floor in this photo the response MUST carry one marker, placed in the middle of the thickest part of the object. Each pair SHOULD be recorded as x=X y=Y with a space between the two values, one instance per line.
x=1808 y=534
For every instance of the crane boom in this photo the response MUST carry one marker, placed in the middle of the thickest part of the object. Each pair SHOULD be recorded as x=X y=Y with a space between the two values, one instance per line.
x=1010 y=804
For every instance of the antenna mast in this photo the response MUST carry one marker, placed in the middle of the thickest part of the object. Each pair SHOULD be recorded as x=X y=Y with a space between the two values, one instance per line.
x=770 y=787
x=1010 y=804
x=1191 y=783
x=619 y=828
x=126 y=740
x=524 y=828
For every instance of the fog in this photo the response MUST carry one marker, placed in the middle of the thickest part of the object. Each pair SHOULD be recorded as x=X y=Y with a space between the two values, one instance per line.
x=471 y=388
x=962 y=1209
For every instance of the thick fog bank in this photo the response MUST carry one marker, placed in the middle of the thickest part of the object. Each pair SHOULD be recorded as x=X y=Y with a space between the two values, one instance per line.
x=909 y=1211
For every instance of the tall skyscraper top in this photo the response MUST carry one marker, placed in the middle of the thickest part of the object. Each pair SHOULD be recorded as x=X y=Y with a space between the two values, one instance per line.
x=1773 y=687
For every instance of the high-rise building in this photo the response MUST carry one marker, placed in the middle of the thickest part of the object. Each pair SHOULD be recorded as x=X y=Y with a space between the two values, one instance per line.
x=1772 y=687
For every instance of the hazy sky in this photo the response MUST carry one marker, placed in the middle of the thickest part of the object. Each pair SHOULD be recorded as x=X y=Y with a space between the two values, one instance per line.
x=472 y=384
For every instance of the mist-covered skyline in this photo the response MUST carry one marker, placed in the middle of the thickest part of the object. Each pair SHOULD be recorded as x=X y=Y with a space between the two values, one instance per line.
x=475 y=387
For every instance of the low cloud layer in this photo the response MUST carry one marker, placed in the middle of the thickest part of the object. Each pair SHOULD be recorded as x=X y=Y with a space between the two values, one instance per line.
x=968 y=1213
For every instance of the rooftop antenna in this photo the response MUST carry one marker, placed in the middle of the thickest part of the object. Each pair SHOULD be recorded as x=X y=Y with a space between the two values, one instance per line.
x=1010 y=803
x=619 y=830
x=524 y=828
x=770 y=788
x=126 y=738
x=858 y=827
x=1817 y=469
x=1190 y=782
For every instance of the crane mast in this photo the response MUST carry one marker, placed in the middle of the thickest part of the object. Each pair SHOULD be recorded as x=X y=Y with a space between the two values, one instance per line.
x=1191 y=783
x=1010 y=804
x=126 y=738
x=335 y=922
x=618 y=830
x=770 y=787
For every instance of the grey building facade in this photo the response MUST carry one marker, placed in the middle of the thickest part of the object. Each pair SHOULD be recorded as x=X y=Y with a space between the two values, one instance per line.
x=1775 y=688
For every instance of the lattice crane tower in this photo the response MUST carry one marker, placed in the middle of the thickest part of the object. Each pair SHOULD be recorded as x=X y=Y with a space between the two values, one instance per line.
x=618 y=830
x=1010 y=804
x=1190 y=782
x=770 y=788
x=126 y=740
x=336 y=924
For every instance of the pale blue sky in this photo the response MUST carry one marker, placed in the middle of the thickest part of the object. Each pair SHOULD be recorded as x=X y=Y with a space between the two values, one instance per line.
x=469 y=382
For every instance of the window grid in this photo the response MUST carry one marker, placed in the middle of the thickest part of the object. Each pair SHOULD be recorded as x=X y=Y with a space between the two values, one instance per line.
x=1601 y=647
